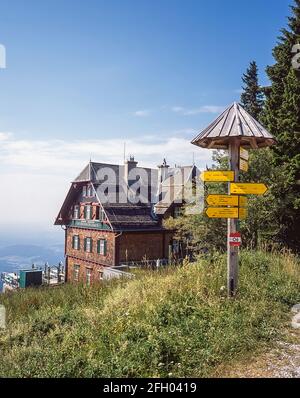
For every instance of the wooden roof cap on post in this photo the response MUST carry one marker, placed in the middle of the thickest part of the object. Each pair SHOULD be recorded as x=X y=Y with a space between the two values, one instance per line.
x=234 y=122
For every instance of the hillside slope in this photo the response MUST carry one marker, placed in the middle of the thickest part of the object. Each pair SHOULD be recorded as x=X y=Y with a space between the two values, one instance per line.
x=171 y=323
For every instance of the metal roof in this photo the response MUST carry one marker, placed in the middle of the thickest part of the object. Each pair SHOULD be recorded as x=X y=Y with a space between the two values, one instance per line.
x=234 y=122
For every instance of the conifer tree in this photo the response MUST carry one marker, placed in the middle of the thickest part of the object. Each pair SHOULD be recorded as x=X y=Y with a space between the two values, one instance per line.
x=252 y=96
x=282 y=118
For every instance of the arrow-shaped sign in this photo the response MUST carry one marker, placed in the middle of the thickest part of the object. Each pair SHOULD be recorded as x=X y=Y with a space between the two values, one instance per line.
x=226 y=200
x=217 y=176
x=226 y=212
x=248 y=189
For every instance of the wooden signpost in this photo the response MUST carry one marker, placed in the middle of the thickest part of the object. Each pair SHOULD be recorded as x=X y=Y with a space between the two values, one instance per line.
x=235 y=131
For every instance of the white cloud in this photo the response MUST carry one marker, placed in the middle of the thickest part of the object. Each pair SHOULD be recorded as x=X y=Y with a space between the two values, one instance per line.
x=177 y=109
x=5 y=136
x=142 y=113
x=196 y=111
x=37 y=173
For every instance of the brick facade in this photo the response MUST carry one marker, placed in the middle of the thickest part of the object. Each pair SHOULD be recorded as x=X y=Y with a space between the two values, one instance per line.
x=96 y=270
x=94 y=257
x=120 y=247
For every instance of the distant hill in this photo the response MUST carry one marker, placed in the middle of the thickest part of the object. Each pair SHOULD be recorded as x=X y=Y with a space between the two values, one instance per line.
x=14 y=257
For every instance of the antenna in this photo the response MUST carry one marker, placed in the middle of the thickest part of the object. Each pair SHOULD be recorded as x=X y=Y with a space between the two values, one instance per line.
x=124 y=151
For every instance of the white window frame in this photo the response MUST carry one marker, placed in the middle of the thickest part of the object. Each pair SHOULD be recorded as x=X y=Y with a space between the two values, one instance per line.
x=76 y=272
x=102 y=215
x=76 y=212
x=102 y=246
x=88 y=276
x=88 y=245
x=89 y=191
x=76 y=242
x=88 y=212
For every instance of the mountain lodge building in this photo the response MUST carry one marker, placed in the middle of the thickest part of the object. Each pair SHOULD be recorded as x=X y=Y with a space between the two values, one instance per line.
x=113 y=215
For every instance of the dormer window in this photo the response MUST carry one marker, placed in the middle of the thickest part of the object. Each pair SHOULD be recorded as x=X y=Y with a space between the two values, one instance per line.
x=76 y=212
x=84 y=191
x=88 y=212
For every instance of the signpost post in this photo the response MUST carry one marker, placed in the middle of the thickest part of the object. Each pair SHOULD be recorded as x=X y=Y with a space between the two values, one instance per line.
x=232 y=224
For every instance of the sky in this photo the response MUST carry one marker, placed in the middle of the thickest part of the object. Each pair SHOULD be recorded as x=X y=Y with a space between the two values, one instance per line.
x=84 y=76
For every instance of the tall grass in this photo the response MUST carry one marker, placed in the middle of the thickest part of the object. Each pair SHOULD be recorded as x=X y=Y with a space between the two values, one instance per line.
x=175 y=322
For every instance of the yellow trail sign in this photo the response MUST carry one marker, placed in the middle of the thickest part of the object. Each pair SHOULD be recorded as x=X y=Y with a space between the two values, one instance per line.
x=226 y=200
x=244 y=166
x=244 y=154
x=243 y=213
x=226 y=212
x=217 y=176
x=247 y=189
x=243 y=201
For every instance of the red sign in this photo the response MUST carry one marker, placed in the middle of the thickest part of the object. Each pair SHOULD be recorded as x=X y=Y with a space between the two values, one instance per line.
x=235 y=239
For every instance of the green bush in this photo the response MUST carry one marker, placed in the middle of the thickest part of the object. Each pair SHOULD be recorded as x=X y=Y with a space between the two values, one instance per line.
x=171 y=323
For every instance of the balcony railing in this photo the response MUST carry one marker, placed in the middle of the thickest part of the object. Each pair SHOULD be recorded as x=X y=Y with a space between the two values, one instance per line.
x=151 y=264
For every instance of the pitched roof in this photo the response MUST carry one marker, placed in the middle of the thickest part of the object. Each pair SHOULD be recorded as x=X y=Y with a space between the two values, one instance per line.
x=234 y=122
x=121 y=209
x=131 y=216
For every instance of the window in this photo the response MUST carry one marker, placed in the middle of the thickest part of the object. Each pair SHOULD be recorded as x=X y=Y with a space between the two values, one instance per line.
x=89 y=191
x=76 y=212
x=84 y=191
x=88 y=276
x=76 y=270
x=175 y=246
x=177 y=212
x=101 y=247
x=88 y=212
x=102 y=216
x=88 y=243
x=76 y=242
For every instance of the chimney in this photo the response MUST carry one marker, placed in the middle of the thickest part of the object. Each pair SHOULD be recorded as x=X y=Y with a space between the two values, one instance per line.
x=162 y=175
x=162 y=171
x=128 y=166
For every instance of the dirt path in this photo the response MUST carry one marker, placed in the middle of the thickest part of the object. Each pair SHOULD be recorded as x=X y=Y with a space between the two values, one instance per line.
x=283 y=361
